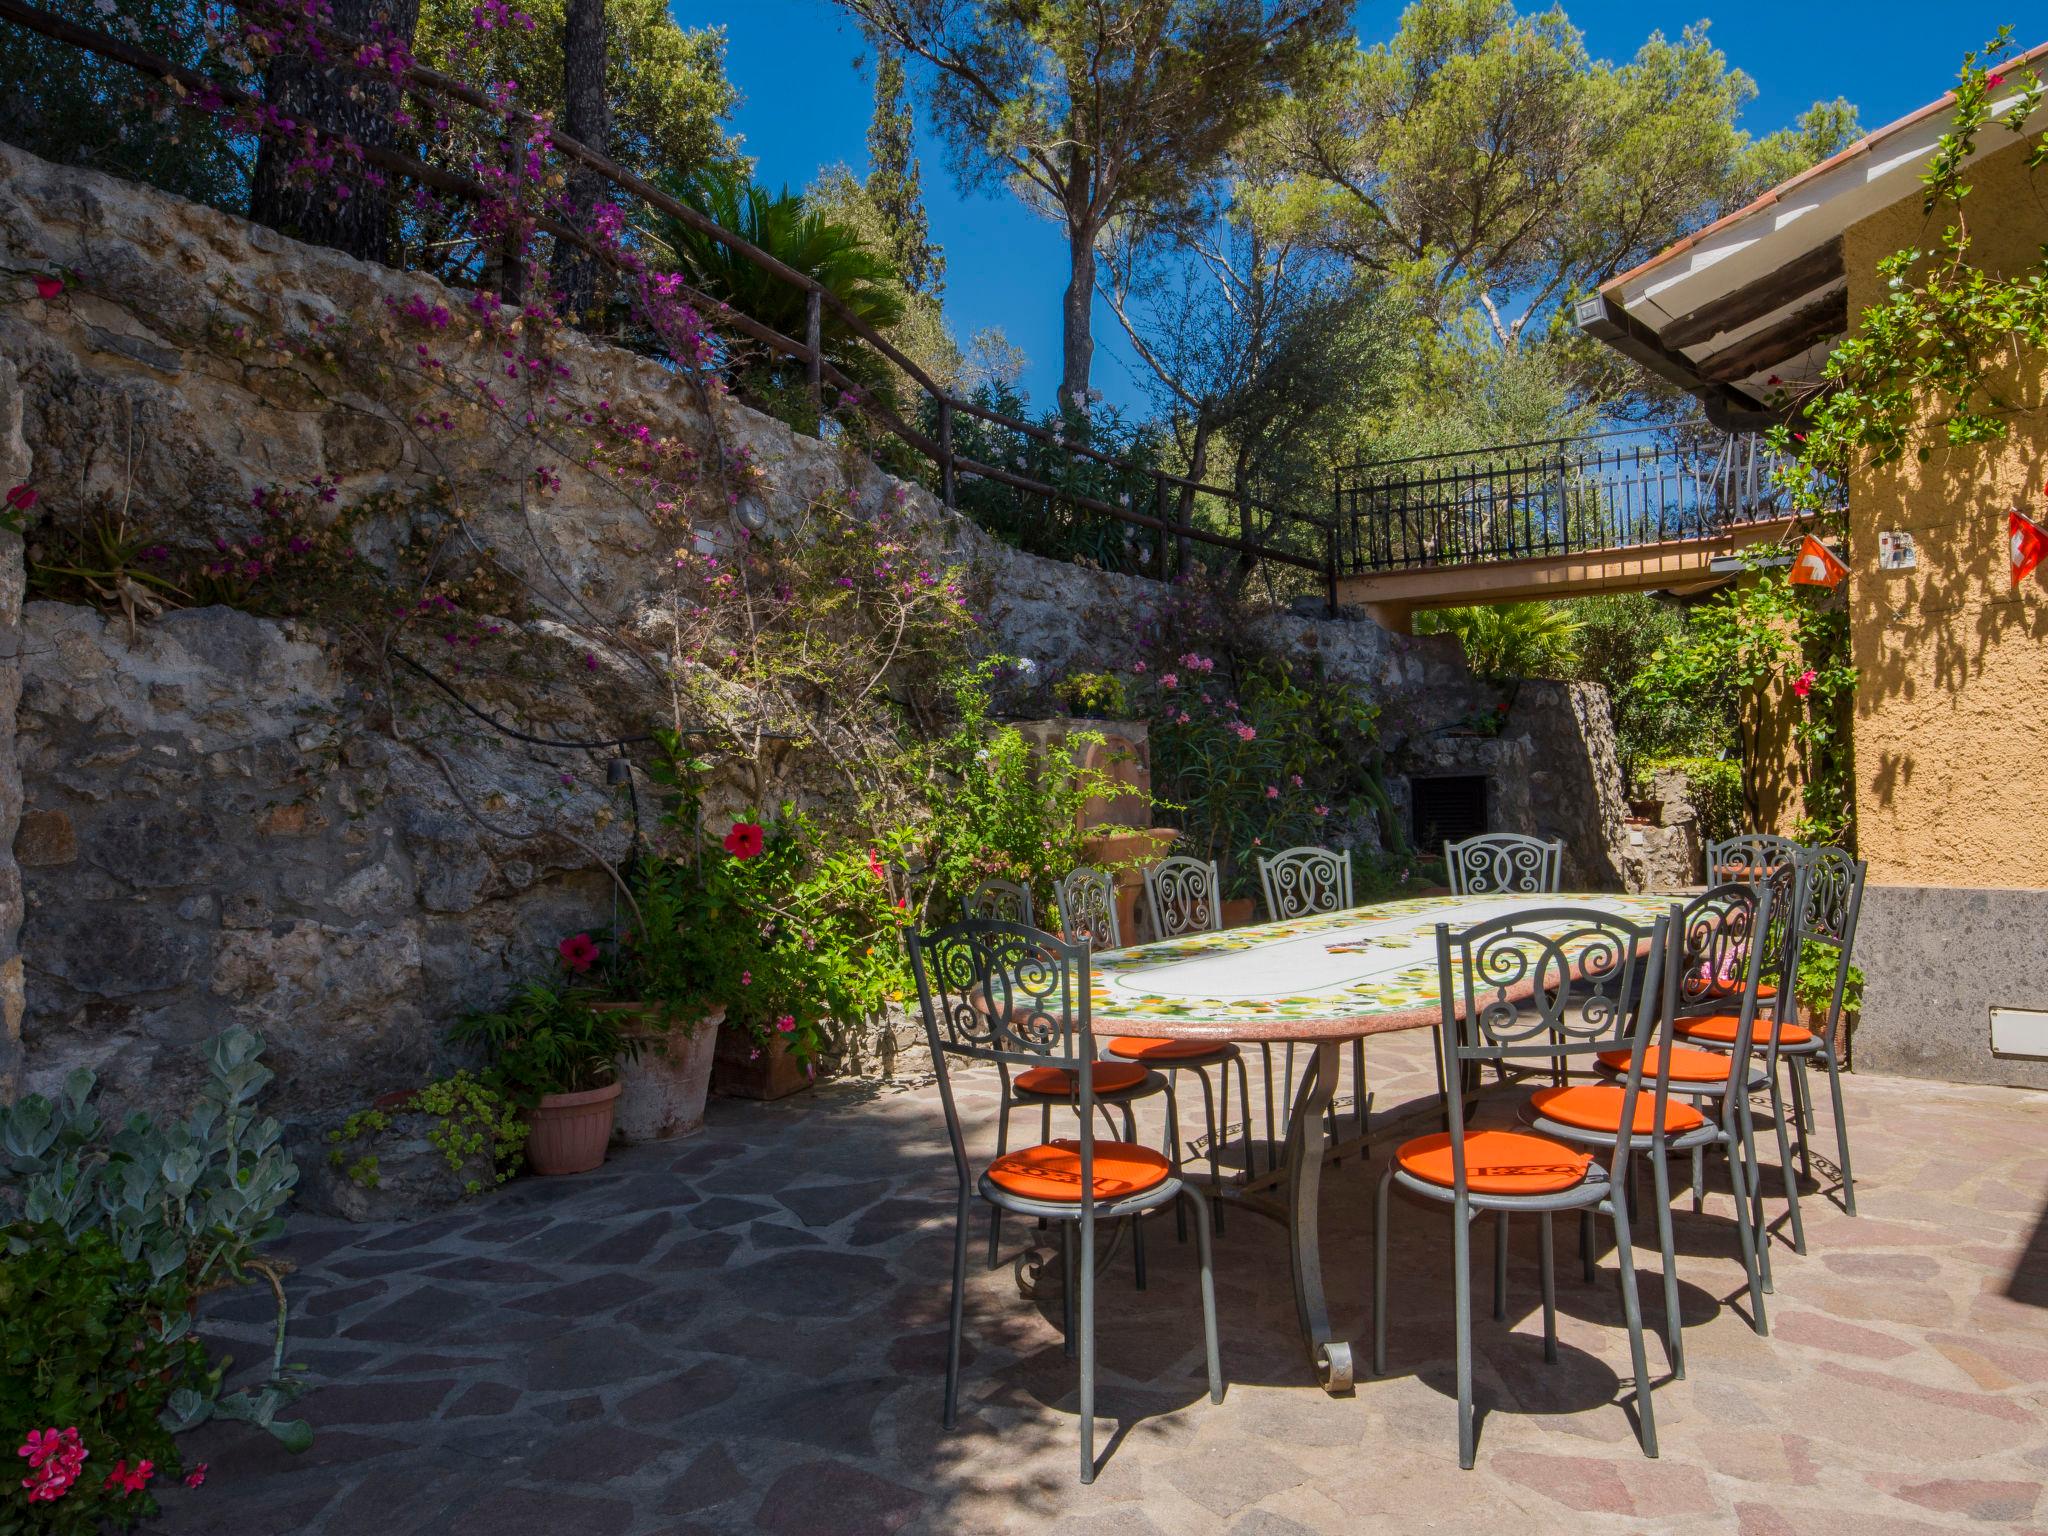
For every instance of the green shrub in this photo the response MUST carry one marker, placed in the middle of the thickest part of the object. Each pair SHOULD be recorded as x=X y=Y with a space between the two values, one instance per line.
x=1814 y=986
x=471 y=1118
x=95 y=1342
x=547 y=1041
x=1095 y=695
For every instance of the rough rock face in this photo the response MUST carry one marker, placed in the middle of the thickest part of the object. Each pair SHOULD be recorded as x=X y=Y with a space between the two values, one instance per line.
x=214 y=830
x=14 y=470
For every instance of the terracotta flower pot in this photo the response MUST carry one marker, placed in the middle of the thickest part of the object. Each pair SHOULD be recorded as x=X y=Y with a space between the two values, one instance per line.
x=568 y=1132
x=742 y=1070
x=664 y=1087
x=1238 y=911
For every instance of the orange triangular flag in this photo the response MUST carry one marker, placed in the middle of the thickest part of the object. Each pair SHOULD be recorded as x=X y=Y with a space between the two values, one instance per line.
x=1816 y=565
x=2029 y=545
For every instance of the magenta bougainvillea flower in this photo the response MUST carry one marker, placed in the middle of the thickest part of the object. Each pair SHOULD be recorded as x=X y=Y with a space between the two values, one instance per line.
x=49 y=287
x=21 y=497
x=744 y=840
x=578 y=952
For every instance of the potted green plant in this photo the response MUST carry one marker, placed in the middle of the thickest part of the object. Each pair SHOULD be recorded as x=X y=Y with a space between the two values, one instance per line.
x=1813 y=988
x=559 y=1059
x=666 y=978
x=1094 y=695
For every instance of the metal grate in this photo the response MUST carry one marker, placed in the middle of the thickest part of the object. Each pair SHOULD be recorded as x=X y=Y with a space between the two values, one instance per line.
x=1446 y=810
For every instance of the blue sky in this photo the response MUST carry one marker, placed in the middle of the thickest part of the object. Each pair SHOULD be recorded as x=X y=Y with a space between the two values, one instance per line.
x=806 y=107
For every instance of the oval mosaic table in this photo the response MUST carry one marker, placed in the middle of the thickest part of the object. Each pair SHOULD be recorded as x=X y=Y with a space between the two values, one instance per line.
x=1323 y=982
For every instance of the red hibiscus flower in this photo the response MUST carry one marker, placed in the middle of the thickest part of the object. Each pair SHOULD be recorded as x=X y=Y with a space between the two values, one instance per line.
x=578 y=952
x=49 y=287
x=744 y=840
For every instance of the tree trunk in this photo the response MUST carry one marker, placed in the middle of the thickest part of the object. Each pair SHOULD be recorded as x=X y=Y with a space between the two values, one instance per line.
x=338 y=209
x=586 y=117
x=1198 y=465
x=1077 y=338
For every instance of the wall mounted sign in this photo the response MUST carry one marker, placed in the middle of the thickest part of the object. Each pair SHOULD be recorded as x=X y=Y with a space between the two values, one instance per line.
x=2029 y=545
x=1895 y=551
x=1816 y=566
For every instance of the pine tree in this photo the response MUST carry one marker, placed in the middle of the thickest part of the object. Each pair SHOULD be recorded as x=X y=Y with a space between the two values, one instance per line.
x=895 y=181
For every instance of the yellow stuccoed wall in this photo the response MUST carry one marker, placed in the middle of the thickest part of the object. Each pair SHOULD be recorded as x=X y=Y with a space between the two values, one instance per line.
x=1951 y=733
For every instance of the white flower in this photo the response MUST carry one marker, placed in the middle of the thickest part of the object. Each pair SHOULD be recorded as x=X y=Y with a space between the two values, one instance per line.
x=1026 y=667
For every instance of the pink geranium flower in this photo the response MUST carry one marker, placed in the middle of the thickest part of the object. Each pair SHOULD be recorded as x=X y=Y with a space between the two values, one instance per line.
x=787 y=1024
x=1272 y=791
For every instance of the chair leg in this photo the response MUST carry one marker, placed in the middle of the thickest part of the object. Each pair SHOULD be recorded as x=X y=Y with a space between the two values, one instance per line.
x=1785 y=1165
x=1586 y=1244
x=1500 y=1266
x=995 y=1212
x=1067 y=1286
x=1802 y=1112
x=1841 y=1129
x=1461 y=1249
x=1737 y=1181
x=1632 y=1309
x=1549 y=1292
x=956 y=1309
x=1674 y=1319
x=1244 y=1092
x=1699 y=1180
x=1381 y=1211
x=1138 y=1249
x=1180 y=1217
x=1272 y=1127
x=1215 y=1146
x=1086 y=1237
x=1359 y=1097
x=1206 y=1256
x=1754 y=1177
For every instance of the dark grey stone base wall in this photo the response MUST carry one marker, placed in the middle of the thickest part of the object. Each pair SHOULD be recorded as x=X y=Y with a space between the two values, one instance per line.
x=1937 y=961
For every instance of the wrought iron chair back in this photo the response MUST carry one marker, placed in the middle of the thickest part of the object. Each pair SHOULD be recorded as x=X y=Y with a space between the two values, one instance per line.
x=999 y=901
x=1183 y=895
x=1750 y=856
x=1716 y=958
x=1551 y=983
x=1004 y=992
x=1830 y=897
x=1301 y=881
x=1504 y=861
x=1087 y=903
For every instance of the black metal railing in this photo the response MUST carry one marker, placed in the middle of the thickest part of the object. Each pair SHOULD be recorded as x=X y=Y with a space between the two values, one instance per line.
x=1608 y=490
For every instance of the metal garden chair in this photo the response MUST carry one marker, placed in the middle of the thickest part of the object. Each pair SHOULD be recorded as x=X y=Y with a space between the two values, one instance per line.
x=1709 y=936
x=1303 y=882
x=1182 y=896
x=1005 y=992
x=1749 y=856
x=999 y=901
x=1087 y=903
x=1554 y=983
x=1826 y=906
x=1504 y=861
x=1300 y=882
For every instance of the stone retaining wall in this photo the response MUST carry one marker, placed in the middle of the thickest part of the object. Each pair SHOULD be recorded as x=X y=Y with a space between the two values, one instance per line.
x=211 y=832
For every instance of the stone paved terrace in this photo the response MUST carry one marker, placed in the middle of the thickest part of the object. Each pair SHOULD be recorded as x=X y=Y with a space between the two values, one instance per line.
x=744 y=1332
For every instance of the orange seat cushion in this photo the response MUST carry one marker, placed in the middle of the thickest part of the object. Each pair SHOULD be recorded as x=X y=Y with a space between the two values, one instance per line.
x=1058 y=1082
x=1721 y=1029
x=1597 y=1107
x=1687 y=1066
x=1052 y=1170
x=1497 y=1162
x=1141 y=1048
x=1764 y=990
